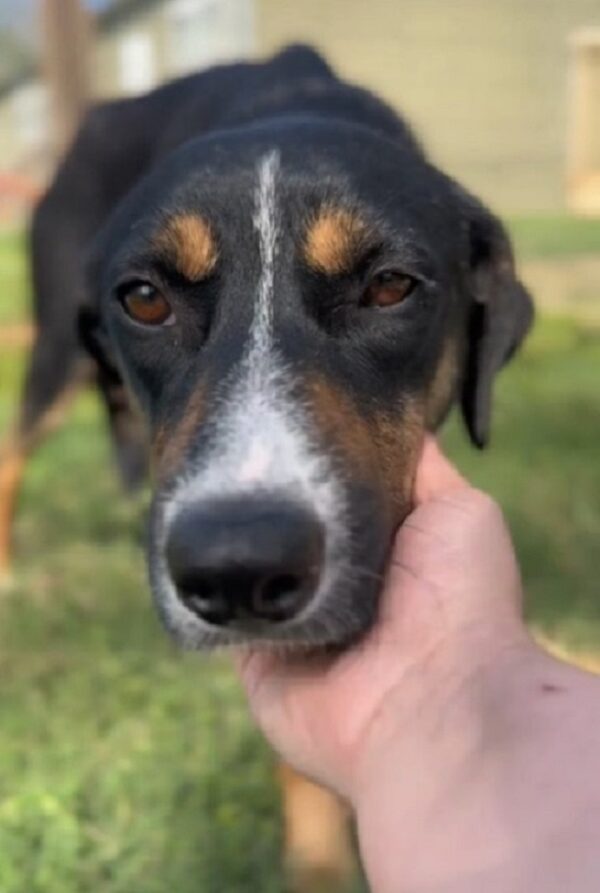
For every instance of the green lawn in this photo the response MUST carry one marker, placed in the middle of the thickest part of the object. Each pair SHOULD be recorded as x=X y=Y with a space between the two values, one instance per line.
x=554 y=236
x=128 y=768
x=13 y=276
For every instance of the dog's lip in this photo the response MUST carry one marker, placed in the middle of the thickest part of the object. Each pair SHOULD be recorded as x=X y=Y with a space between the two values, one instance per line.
x=216 y=638
x=312 y=630
x=297 y=634
x=247 y=628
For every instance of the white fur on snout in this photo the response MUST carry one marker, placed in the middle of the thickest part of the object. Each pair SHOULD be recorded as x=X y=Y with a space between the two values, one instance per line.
x=260 y=440
x=255 y=468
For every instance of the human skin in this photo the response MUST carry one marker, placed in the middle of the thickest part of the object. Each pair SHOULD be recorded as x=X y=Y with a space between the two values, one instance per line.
x=469 y=756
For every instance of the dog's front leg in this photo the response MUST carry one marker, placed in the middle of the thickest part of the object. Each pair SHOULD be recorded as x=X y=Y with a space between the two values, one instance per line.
x=318 y=851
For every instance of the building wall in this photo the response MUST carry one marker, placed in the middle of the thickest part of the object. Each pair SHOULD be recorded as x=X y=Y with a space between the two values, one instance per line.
x=172 y=38
x=24 y=120
x=154 y=41
x=485 y=83
x=9 y=141
x=133 y=57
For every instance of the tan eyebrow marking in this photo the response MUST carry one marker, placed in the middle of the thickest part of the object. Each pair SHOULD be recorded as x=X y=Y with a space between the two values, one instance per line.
x=187 y=241
x=335 y=239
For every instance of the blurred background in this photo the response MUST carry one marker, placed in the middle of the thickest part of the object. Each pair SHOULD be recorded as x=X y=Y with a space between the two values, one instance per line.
x=125 y=766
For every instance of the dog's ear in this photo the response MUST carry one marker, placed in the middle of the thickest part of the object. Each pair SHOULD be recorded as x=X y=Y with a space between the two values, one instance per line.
x=499 y=315
x=92 y=333
x=94 y=340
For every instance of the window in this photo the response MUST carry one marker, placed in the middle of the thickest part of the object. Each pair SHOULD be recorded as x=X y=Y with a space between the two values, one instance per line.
x=202 y=32
x=30 y=114
x=137 y=66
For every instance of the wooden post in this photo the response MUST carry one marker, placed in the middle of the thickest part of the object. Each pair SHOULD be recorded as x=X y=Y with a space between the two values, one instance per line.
x=66 y=37
x=583 y=160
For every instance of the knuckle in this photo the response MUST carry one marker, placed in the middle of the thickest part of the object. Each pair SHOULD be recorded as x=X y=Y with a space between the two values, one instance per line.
x=476 y=507
x=485 y=509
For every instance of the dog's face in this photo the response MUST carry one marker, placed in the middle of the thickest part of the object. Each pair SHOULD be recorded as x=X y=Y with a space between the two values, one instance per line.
x=292 y=309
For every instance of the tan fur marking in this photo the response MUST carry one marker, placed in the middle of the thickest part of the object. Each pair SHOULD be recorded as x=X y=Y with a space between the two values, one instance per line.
x=13 y=458
x=187 y=241
x=169 y=446
x=12 y=466
x=441 y=389
x=341 y=422
x=398 y=439
x=318 y=853
x=382 y=446
x=335 y=240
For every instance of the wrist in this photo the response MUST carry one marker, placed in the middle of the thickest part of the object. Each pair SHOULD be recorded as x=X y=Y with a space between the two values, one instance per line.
x=457 y=794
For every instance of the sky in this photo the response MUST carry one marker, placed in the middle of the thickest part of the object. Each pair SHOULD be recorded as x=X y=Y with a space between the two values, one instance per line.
x=16 y=13
x=20 y=14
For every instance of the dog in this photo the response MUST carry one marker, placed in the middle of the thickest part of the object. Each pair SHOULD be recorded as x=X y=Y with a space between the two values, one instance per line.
x=280 y=295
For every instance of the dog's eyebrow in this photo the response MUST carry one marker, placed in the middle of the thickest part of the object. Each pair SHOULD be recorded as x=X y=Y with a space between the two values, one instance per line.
x=336 y=239
x=186 y=241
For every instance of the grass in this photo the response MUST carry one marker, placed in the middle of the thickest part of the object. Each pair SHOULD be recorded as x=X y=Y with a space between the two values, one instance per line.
x=543 y=468
x=554 y=236
x=13 y=274
x=125 y=765
x=129 y=768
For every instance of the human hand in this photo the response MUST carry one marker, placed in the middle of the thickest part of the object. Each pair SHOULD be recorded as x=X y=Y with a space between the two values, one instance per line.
x=451 y=602
x=469 y=756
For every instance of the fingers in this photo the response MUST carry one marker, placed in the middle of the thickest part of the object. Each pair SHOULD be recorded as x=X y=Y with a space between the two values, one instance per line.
x=264 y=674
x=436 y=476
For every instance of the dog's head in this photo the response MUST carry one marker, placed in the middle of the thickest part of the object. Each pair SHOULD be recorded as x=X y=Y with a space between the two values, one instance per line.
x=292 y=308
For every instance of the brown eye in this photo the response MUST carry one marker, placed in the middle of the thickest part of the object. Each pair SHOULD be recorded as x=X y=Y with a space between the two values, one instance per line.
x=388 y=289
x=146 y=304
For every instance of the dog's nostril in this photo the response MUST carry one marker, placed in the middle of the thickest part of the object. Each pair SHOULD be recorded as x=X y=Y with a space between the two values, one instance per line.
x=246 y=560
x=206 y=599
x=276 y=597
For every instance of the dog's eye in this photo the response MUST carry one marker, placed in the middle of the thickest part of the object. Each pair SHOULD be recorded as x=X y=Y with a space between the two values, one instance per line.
x=387 y=289
x=146 y=304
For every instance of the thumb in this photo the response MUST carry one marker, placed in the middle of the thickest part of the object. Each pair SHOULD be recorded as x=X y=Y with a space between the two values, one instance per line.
x=436 y=476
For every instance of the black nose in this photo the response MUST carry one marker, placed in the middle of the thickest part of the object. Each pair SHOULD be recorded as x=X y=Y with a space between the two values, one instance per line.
x=245 y=560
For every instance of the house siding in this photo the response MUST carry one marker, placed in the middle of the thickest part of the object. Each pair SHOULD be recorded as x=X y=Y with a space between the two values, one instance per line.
x=485 y=84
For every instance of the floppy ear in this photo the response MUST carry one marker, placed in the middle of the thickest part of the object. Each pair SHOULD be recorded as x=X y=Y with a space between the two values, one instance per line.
x=128 y=432
x=92 y=333
x=94 y=340
x=499 y=316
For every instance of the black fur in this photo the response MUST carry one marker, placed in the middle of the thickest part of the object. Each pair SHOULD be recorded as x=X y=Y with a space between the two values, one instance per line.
x=193 y=146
